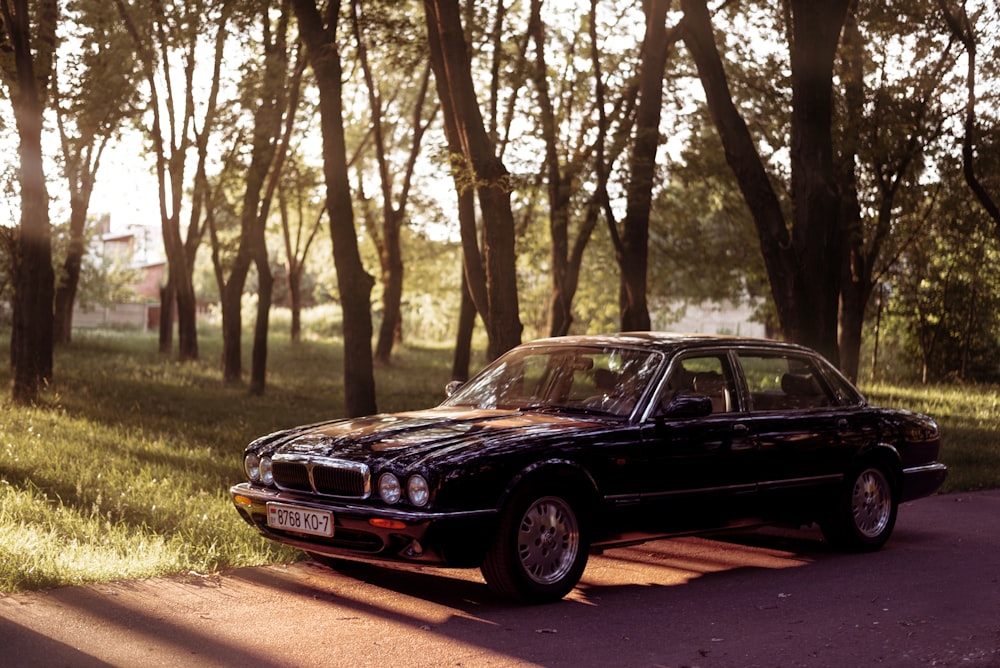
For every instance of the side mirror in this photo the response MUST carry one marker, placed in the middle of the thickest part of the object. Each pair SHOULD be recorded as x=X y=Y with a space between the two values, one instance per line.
x=452 y=387
x=688 y=406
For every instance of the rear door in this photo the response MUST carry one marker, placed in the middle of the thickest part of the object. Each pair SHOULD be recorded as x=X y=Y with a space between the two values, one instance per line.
x=805 y=436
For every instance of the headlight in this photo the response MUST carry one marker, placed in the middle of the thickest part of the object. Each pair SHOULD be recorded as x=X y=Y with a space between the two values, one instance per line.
x=266 y=471
x=418 y=490
x=251 y=466
x=389 y=488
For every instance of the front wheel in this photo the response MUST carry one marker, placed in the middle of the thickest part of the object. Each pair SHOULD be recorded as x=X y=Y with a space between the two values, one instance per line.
x=864 y=513
x=541 y=547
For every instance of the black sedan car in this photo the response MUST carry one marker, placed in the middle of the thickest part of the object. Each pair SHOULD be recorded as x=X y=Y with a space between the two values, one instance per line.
x=570 y=445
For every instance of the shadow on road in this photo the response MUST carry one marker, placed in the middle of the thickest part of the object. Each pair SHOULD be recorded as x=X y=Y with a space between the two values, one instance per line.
x=770 y=597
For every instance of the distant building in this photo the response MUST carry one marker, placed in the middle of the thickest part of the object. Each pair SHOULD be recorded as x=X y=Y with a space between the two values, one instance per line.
x=708 y=317
x=128 y=249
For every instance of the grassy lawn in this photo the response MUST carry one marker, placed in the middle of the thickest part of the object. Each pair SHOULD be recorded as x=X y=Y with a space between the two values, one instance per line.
x=124 y=472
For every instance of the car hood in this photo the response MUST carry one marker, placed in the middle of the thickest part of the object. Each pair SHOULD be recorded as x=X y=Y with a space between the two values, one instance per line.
x=412 y=438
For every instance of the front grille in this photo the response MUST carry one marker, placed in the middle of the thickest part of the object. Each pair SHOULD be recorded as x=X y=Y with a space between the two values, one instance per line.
x=292 y=476
x=338 y=482
x=322 y=476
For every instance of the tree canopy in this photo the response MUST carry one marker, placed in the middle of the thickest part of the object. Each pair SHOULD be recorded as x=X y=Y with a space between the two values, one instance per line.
x=829 y=165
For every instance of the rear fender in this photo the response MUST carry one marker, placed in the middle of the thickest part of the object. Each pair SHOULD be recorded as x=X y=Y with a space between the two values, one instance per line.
x=887 y=457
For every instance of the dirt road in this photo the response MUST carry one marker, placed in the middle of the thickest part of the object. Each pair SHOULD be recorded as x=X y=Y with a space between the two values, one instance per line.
x=931 y=597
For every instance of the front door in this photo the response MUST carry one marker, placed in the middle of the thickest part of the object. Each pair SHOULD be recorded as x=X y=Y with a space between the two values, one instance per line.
x=700 y=471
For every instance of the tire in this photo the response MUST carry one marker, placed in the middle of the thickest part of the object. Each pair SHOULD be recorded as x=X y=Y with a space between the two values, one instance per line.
x=864 y=513
x=541 y=546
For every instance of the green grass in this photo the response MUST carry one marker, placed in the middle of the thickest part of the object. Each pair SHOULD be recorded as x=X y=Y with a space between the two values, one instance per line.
x=123 y=472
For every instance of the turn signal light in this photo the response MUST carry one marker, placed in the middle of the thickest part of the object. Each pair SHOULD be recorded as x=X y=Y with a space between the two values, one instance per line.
x=242 y=500
x=386 y=524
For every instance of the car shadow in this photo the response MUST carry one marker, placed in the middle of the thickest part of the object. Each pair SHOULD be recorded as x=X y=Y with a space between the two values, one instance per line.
x=671 y=562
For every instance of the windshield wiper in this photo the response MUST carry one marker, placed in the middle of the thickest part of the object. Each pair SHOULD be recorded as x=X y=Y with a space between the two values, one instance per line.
x=558 y=409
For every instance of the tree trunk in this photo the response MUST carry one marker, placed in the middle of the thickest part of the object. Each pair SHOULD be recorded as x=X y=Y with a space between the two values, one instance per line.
x=817 y=234
x=68 y=286
x=391 y=258
x=463 y=339
x=633 y=252
x=468 y=309
x=26 y=76
x=171 y=145
x=560 y=304
x=295 y=255
x=388 y=242
x=31 y=339
x=856 y=278
x=854 y=301
x=320 y=36
x=166 y=333
x=805 y=267
x=295 y=296
x=467 y=138
x=181 y=288
x=231 y=297
x=265 y=167
x=258 y=366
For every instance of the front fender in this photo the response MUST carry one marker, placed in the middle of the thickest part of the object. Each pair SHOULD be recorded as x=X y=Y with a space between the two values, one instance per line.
x=554 y=471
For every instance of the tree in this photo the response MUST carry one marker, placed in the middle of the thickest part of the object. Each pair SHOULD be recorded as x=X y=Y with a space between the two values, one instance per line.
x=944 y=288
x=159 y=38
x=491 y=274
x=268 y=98
x=295 y=188
x=27 y=51
x=99 y=90
x=803 y=258
x=319 y=33
x=565 y=163
x=413 y=68
x=888 y=116
x=962 y=27
x=702 y=239
x=631 y=244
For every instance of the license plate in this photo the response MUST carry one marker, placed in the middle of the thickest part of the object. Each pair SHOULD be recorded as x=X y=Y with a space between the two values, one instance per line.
x=302 y=520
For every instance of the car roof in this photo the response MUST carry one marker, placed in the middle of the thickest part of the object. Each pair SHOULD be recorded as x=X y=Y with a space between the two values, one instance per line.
x=670 y=341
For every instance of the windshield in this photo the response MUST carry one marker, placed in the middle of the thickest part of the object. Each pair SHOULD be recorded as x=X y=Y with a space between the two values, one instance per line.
x=589 y=379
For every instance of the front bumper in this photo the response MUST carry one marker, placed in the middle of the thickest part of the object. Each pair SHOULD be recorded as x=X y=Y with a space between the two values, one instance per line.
x=457 y=538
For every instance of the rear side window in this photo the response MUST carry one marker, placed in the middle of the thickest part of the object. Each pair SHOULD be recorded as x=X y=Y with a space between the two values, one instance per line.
x=779 y=382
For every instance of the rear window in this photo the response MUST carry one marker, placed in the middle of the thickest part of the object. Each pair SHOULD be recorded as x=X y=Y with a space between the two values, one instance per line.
x=779 y=382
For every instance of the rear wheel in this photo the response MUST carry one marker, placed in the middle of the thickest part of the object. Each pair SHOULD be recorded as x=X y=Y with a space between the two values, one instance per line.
x=864 y=512
x=541 y=546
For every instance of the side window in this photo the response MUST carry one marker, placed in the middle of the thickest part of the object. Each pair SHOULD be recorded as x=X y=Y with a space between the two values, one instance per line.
x=616 y=380
x=783 y=382
x=708 y=376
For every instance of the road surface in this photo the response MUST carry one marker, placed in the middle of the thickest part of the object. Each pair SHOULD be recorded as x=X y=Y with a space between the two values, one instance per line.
x=931 y=597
